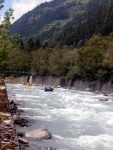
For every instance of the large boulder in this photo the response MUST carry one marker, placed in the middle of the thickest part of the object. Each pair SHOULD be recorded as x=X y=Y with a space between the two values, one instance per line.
x=39 y=134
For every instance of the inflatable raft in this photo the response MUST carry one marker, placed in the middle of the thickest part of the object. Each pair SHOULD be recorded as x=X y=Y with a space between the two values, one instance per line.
x=48 y=89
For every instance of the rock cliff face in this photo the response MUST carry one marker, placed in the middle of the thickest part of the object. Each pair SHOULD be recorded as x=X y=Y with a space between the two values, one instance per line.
x=54 y=81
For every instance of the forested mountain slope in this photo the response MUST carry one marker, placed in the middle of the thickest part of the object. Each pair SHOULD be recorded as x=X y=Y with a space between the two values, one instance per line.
x=69 y=22
x=47 y=20
x=98 y=19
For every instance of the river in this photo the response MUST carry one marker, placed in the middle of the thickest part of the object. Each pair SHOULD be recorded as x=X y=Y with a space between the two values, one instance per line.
x=76 y=119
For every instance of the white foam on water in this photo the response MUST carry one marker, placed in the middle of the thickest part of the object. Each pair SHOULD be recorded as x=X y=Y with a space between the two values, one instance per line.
x=77 y=119
x=99 y=142
x=58 y=137
x=26 y=96
x=100 y=106
x=110 y=121
x=95 y=142
x=45 y=118
x=74 y=114
x=25 y=108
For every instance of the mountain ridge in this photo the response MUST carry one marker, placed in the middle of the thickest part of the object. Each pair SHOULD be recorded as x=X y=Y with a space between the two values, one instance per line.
x=48 y=16
x=66 y=22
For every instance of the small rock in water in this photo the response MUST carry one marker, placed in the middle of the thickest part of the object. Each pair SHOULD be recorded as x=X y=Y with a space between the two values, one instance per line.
x=103 y=99
x=24 y=141
x=15 y=102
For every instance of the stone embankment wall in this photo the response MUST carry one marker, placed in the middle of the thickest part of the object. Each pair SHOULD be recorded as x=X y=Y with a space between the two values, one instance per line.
x=59 y=81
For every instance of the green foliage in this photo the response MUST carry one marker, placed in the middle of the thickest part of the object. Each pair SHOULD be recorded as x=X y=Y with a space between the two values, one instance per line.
x=103 y=75
x=1 y=4
x=30 y=44
x=91 y=58
x=5 y=40
x=37 y=44
x=11 y=55
x=40 y=60
x=18 y=60
x=69 y=60
x=16 y=41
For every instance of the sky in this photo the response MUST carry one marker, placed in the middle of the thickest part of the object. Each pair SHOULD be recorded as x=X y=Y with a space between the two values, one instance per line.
x=20 y=7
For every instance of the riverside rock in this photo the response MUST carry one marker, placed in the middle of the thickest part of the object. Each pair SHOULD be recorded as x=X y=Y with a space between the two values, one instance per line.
x=8 y=137
x=14 y=102
x=103 y=99
x=21 y=121
x=23 y=141
x=2 y=87
x=39 y=134
x=7 y=122
x=20 y=134
x=111 y=94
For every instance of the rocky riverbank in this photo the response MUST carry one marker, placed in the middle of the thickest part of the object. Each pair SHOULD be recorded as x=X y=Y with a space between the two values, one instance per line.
x=8 y=137
x=10 y=118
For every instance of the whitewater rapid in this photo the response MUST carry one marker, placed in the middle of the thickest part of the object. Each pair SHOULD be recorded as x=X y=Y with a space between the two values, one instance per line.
x=76 y=119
